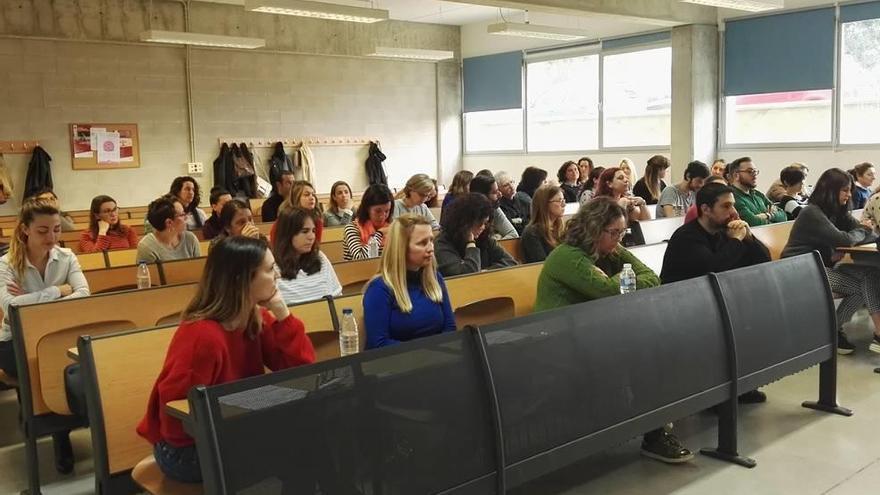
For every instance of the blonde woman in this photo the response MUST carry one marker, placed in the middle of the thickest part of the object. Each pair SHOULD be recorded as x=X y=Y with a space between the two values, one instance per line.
x=629 y=168
x=419 y=189
x=408 y=298
x=36 y=270
x=544 y=232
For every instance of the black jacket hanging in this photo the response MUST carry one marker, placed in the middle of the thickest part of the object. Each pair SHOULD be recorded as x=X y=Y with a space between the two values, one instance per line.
x=375 y=170
x=220 y=167
x=279 y=163
x=39 y=173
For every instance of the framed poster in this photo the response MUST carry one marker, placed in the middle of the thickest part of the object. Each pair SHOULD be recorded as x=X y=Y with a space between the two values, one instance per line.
x=104 y=146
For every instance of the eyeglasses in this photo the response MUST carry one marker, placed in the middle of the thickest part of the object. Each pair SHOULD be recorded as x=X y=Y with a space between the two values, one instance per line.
x=619 y=233
x=751 y=171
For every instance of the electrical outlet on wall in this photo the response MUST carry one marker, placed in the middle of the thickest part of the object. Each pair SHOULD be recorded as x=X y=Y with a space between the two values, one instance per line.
x=195 y=168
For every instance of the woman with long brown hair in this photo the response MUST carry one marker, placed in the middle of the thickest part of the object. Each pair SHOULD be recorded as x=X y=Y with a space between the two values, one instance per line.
x=340 y=211
x=306 y=272
x=615 y=183
x=302 y=195
x=544 y=232
x=236 y=326
x=652 y=184
x=105 y=230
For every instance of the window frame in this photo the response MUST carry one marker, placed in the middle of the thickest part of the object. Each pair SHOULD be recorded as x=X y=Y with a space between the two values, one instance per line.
x=834 y=142
x=565 y=53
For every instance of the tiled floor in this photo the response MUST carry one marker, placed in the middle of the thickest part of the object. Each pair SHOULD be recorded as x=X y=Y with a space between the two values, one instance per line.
x=798 y=451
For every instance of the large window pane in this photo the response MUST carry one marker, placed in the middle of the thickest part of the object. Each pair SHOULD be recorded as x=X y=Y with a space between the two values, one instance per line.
x=638 y=98
x=790 y=117
x=860 y=82
x=563 y=104
x=494 y=130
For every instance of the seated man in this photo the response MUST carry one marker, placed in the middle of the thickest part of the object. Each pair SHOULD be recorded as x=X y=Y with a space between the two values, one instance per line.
x=170 y=240
x=716 y=241
x=752 y=205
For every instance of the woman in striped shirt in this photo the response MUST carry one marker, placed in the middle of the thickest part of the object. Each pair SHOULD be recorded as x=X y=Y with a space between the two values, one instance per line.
x=306 y=273
x=371 y=222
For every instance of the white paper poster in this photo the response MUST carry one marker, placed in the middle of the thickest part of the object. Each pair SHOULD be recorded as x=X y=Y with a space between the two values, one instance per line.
x=94 y=140
x=108 y=146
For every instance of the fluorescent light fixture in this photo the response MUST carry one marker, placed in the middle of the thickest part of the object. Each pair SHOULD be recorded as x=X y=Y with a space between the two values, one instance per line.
x=319 y=10
x=200 y=39
x=526 y=30
x=748 y=5
x=411 y=53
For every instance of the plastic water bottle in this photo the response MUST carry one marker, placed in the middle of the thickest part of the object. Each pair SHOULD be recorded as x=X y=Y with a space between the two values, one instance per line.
x=627 y=279
x=348 y=335
x=373 y=247
x=143 y=275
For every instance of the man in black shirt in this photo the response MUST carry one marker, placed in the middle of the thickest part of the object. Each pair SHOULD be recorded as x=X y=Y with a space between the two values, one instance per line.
x=512 y=208
x=716 y=241
x=280 y=191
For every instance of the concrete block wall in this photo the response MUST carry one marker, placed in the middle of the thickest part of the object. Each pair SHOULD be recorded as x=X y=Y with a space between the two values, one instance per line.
x=77 y=62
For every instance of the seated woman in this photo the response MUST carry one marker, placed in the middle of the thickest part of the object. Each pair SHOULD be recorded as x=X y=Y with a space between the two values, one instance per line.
x=236 y=325
x=465 y=244
x=587 y=266
x=187 y=192
x=792 y=201
x=47 y=194
x=419 y=189
x=461 y=183
x=302 y=195
x=213 y=226
x=826 y=224
x=544 y=232
x=501 y=226
x=568 y=175
x=170 y=240
x=340 y=211
x=236 y=219
x=408 y=299
x=588 y=188
x=652 y=184
x=370 y=222
x=105 y=230
x=531 y=179
x=36 y=270
x=614 y=183
x=306 y=273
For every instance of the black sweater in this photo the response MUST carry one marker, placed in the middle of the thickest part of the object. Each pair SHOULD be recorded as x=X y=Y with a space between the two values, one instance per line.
x=693 y=252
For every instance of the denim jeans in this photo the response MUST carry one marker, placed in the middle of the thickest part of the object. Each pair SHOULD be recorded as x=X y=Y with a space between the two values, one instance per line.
x=178 y=463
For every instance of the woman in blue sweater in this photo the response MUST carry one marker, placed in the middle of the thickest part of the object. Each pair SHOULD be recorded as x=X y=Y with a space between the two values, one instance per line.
x=408 y=298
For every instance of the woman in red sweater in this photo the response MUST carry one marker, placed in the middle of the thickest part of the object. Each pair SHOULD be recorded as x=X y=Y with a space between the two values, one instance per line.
x=236 y=324
x=105 y=230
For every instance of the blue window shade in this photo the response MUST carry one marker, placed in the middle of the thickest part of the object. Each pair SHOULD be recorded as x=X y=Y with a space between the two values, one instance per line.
x=642 y=39
x=860 y=12
x=777 y=53
x=493 y=82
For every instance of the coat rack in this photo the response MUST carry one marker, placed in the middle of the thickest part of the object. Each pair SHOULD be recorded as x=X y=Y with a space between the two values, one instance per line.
x=263 y=142
x=18 y=146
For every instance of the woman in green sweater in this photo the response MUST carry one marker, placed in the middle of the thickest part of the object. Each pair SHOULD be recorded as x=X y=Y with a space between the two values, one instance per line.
x=587 y=266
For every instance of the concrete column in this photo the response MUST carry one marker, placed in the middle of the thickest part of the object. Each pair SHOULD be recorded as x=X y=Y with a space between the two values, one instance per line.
x=449 y=138
x=694 y=95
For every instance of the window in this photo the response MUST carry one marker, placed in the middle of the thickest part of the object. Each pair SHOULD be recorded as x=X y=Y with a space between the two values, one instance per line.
x=637 y=104
x=494 y=130
x=860 y=82
x=789 y=117
x=563 y=104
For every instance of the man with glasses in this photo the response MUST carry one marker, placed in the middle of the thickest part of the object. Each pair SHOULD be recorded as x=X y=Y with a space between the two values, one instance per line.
x=753 y=206
x=514 y=209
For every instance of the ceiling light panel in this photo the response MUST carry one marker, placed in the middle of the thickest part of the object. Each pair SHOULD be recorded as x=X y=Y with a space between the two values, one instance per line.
x=200 y=39
x=411 y=53
x=747 y=5
x=526 y=30
x=318 y=10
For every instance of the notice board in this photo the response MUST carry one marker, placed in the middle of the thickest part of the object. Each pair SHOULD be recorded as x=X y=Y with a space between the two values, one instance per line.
x=104 y=146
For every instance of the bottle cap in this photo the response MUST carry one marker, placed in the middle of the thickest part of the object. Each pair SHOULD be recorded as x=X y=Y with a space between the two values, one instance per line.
x=627 y=265
x=346 y=311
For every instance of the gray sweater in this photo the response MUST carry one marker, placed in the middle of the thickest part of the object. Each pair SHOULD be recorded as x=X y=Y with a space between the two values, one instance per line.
x=812 y=230
x=486 y=256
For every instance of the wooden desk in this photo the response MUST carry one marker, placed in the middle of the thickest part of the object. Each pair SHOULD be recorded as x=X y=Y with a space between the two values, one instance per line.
x=863 y=248
x=73 y=353
x=178 y=409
